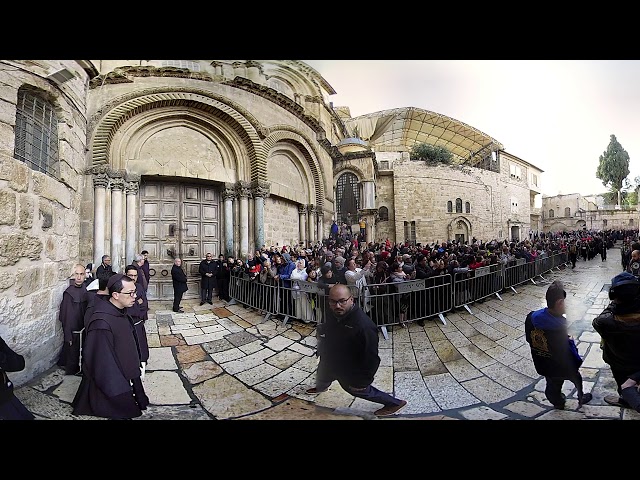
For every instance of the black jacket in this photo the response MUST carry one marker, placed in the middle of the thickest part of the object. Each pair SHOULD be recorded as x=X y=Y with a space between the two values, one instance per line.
x=348 y=347
x=10 y=361
x=179 y=279
x=619 y=328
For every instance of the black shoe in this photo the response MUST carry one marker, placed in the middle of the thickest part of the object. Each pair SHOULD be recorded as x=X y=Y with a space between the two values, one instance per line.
x=586 y=398
x=617 y=401
x=201 y=303
x=209 y=302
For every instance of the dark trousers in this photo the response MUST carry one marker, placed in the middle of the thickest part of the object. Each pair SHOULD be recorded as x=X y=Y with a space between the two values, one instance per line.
x=223 y=289
x=553 y=390
x=177 y=298
x=573 y=257
x=206 y=294
x=324 y=379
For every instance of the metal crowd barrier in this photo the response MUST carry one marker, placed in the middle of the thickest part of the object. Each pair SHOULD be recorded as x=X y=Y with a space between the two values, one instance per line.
x=393 y=303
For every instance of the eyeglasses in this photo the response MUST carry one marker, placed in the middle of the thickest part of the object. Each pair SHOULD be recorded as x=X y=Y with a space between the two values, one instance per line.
x=342 y=302
x=133 y=293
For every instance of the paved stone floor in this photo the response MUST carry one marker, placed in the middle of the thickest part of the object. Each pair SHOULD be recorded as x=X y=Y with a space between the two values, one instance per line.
x=225 y=362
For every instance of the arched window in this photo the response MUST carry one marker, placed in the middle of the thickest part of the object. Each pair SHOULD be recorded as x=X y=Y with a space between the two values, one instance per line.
x=467 y=207
x=551 y=213
x=567 y=212
x=383 y=213
x=458 y=205
x=449 y=206
x=36 y=133
x=347 y=198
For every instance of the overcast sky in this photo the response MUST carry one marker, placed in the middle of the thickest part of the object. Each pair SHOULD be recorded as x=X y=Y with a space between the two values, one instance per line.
x=557 y=114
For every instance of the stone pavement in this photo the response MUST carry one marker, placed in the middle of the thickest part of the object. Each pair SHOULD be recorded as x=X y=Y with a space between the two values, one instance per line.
x=225 y=362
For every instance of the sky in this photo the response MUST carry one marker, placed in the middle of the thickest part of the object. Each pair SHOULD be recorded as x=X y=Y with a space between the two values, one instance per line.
x=558 y=115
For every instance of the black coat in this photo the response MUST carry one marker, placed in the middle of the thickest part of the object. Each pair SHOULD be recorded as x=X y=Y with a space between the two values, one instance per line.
x=348 y=347
x=208 y=267
x=10 y=407
x=110 y=385
x=179 y=279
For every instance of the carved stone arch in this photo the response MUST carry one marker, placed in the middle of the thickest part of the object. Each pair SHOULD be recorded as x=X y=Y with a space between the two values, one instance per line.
x=459 y=224
x=120 y=112
x=337 y=171
x=306 y=150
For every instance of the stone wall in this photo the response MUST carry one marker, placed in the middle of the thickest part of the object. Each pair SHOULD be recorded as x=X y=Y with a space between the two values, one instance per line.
x=281 y=222
x=39 y=215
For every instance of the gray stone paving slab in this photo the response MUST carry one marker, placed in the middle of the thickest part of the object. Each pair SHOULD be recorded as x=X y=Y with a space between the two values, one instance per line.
x=446 y=351
x=502 y=355
x=45 y=406
x=400 y=335
x=448 y=393
x=476 y=356
x=487 y=390
x=482 y=413
x=207 y=337
x=482 y=342
x=258 y=374
x=410 y=386
x=165 y=388
x=309 y=341
x=225 y=397
x=526 y=367
x=278 y=343
x=181 y=328
x=462 y=370
x=308 y=364
x=252 y=347
x=594 y=357
x=151 y=326
x=230 y=325
x=282 y=382
x=384 y=379
x=506 y=377
x=240 y=338
x=189 y=332
x=526 y=409
x=488 y=331
x=435 y=334
x=216 y=346
x=225 y=356
x=292 y=335
x=49 y=379
x=404 y=359
x=200 y=371
x=428 y=362
x=284 y=359
x=458 y=339
x=297 y=347
x=173 y=412
x=386 y=357
x=334 y=397
x=68 y=388
x=215 y=328
x=161 y=359
x=249 y=361
x=153 y=340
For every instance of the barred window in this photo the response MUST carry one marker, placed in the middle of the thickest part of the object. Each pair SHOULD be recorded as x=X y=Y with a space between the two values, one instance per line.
x=567 y=212
x=458 y=205
x=191 y=65
x=551 y=213
x=383 y=213
x=410 y=231
x=467 y=207
x=36 y=133
x=449 y=206
x=347 y=198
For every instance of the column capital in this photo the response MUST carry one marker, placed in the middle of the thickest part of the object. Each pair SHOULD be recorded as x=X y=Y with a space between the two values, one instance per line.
x=100 y=180
x=243 y=189
x=260 y=189
x=131 y=188
x=98 y=169
x=311 y=208
x=302 y=209
x=116 y=173
x=132 y=177
x=229 y=192
x=117 y=183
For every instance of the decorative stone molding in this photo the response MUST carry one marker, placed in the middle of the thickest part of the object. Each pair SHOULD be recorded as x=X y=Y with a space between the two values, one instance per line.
x=99 y=169
x=229 y=192
x=117 y=183
x=312 y=210
x=116 y=173
x=261 y=189
x=131 y=188
x=100 y=180
x=126 y=74
x=132 y=177
x=302 y=209
x=243 y=189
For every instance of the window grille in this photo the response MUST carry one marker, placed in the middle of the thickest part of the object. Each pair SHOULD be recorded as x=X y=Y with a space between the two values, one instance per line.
x=347 y=198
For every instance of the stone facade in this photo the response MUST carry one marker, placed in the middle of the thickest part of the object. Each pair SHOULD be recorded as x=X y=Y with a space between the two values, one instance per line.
x=39 y=212
x=575 y=212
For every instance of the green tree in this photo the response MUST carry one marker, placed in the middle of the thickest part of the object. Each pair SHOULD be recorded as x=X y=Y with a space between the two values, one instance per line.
x=613 y=168
x=430 y=153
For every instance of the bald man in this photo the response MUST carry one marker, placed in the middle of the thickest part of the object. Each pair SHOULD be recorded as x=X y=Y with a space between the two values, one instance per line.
x=348 y=351
x=71 y=315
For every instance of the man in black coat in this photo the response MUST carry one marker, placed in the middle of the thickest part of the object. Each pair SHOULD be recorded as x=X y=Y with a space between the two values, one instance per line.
x=11 y=408
x=104 y=269
x=145 y=266
x=207 y=269
x=111 y=386
x=139 y=314
x=348 y=351
x=71 y=315
x=179 y=284
x=619 y=328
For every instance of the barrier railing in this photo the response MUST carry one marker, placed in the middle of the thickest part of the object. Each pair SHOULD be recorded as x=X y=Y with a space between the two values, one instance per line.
x=393 y=303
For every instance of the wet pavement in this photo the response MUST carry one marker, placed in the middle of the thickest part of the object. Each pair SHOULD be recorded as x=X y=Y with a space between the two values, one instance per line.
x=225 y=362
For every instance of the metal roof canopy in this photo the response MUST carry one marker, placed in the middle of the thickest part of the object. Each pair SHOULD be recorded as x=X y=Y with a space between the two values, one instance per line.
x=402 y=128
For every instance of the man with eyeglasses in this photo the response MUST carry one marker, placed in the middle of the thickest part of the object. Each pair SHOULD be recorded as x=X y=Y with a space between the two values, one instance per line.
x=111 y=386
x=139 y=313
x=348 y=351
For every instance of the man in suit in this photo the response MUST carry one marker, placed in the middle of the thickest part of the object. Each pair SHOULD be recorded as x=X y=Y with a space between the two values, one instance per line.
x=207 y=269
x=179 y=284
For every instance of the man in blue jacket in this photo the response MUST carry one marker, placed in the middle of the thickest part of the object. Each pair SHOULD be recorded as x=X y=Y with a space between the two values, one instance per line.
x=552 y=348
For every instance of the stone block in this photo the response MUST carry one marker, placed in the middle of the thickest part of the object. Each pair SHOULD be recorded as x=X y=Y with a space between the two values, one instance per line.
x=16 y=246
x=7 y=207
x=28 y=280
x=26 y=210
x=51 y=189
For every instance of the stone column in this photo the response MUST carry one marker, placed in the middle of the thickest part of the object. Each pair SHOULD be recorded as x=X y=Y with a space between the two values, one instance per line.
x=117 y=185
x=131 y=189
x=229 y=194
x=320 y=231
x=302 y=224
x=244 y=192
x=368 y=194
x=260 y=192
x=311 y=223
x=100 y=184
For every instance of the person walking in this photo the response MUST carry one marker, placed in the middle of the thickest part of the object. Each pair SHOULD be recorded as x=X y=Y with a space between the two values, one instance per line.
x=179 y=284
x=348 y=351
x=71 y=315
x=139 y=314
x=619 y=328
x=111 y=385
x=553 y=350
x=11 y=408
x=207 y=269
